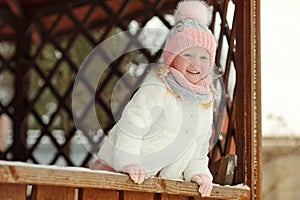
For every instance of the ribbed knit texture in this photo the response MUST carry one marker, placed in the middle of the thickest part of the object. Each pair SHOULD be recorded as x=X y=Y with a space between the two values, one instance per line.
x=202 y=87
x=187 y=38
x=192 y=19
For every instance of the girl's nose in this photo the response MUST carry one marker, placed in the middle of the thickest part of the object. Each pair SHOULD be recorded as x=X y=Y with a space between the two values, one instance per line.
x=196 y=64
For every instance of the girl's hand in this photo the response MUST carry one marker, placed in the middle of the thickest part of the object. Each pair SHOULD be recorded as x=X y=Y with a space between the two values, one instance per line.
x=136 y=173
x=205 y=184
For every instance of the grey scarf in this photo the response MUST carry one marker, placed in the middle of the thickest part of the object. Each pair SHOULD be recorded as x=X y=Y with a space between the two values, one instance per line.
x=183 y=92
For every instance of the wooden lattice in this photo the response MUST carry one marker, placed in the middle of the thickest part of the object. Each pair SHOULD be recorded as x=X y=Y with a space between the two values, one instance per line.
x=46 y=49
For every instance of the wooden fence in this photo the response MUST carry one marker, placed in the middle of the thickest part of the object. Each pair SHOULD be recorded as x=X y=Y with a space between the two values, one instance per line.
x=22 y=181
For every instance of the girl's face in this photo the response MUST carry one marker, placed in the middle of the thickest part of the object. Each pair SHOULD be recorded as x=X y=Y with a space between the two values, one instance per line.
x=193 y=63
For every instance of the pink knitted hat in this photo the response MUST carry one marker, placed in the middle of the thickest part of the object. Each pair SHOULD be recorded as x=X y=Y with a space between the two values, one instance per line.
x=192 y=19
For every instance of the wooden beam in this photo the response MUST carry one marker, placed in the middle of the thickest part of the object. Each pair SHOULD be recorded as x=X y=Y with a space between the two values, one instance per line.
x=75 y=177
x=15 y=7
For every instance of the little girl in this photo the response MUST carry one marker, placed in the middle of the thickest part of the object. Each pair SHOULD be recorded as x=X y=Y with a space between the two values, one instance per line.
x=165 y=129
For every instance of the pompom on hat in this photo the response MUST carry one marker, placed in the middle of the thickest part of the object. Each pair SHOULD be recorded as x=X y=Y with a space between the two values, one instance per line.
x=192 y=19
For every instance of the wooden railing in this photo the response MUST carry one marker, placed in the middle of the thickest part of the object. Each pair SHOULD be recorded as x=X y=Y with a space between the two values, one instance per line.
x=22 y=181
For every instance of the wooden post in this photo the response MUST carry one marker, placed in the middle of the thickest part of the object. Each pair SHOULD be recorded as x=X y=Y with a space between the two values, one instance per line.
x=256 y=192
x=21 y=88
x=248 y=95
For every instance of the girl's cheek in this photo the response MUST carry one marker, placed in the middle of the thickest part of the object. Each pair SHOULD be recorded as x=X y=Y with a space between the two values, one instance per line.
x=205 y=70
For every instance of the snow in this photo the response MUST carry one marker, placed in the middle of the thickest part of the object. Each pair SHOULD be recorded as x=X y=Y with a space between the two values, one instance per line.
x=238 y=186
x=55 y=167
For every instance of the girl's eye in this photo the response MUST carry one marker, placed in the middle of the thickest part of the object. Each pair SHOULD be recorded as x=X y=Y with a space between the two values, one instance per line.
x=203 y=58
x=187 y=55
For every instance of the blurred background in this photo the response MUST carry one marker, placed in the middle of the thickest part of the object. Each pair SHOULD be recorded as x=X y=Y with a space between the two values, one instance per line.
x=280 y=42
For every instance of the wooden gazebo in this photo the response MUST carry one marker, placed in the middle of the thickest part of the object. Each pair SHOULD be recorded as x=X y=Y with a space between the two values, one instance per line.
x=42 y=46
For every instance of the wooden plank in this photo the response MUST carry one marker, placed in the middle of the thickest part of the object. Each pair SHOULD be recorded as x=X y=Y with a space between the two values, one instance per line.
x=75 y=177
x=42 y=192
x=226 y=170
x=203 y=198
x=98 y=194
x=129 y=195
x=171 y=197
x=13 y=191
x=257 y=190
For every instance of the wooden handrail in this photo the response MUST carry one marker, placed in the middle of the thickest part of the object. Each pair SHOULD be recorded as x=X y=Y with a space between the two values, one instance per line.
x=18 y=180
